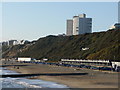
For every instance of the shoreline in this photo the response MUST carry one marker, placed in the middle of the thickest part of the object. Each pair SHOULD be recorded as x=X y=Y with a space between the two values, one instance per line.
x=94 y=79
x=27 y=81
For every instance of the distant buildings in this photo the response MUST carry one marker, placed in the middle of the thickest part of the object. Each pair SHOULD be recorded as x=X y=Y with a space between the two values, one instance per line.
x=115 y=26
x=4 y=43
x=79 y=25
x=14 y=42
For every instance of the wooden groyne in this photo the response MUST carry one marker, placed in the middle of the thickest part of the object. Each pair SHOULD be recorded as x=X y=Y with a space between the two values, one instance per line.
x=11 y=65
x=46 y=74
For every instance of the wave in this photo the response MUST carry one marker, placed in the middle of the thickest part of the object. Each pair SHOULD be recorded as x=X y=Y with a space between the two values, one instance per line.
x=4 y=71
x=26 y=83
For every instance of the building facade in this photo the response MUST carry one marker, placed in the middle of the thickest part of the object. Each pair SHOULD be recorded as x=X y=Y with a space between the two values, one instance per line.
x=69 y=30
x=80 y=25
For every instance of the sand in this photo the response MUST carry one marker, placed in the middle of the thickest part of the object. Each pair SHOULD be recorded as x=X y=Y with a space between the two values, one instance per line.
x=93 y=78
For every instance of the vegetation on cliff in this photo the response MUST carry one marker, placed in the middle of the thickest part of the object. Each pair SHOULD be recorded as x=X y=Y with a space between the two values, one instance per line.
x=102 y=45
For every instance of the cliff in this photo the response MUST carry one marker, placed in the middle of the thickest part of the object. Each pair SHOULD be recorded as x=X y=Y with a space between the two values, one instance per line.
x=98 y=45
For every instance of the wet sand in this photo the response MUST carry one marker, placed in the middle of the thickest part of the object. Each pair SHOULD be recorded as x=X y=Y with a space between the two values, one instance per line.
x=67 y=75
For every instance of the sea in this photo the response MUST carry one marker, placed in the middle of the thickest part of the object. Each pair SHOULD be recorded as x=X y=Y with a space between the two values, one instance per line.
x=25 y=82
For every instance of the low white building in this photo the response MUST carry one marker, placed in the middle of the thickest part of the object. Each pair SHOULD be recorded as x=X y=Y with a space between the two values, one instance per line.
x=24 y=59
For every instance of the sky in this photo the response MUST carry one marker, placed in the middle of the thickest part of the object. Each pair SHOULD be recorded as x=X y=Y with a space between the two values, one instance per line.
x=33 y=20
x=0 y=21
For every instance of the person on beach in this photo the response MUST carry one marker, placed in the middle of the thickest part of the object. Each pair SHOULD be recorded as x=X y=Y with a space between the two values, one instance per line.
x=17 y=67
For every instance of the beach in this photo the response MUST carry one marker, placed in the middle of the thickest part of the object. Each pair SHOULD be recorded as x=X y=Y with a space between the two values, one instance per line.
x=72 y=77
